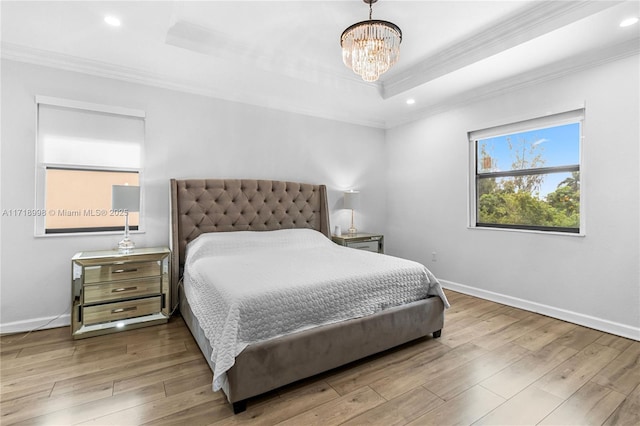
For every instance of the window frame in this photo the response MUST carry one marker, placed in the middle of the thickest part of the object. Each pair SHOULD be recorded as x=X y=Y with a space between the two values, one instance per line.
x=571 y=116
x=41 y=168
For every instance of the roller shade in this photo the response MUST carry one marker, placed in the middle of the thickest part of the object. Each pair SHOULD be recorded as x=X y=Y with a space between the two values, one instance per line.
x=523 y=126
x=94 y=138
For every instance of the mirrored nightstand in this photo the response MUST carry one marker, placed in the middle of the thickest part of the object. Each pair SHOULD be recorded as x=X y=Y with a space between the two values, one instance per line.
x=361 y=241
x=112 y=291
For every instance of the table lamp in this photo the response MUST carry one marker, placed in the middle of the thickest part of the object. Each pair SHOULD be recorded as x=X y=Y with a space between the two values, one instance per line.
x=125 y=198
x=352 y=201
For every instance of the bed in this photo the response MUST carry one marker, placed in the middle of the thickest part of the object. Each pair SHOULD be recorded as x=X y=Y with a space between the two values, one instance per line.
x=215 y=221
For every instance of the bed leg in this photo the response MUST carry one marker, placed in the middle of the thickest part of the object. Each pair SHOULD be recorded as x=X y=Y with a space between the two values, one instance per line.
x=437 y=334
x=240 y=406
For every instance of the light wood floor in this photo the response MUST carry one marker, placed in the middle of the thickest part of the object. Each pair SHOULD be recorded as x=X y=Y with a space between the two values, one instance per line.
x=493 y=365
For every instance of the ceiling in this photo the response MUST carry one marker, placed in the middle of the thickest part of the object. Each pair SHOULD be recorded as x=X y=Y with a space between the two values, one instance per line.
x=286 y=54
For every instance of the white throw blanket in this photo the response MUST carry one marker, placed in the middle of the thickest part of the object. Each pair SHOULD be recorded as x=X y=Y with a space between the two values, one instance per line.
x=247 y=287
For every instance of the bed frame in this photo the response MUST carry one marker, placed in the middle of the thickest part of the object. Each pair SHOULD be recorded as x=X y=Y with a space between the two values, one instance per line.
x=225 y=205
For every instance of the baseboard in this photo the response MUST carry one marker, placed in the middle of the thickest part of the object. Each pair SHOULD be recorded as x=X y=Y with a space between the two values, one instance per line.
x=35 y=324
x=607 y=326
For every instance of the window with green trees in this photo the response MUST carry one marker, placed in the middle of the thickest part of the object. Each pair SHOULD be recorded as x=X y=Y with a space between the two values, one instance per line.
x=527 y=174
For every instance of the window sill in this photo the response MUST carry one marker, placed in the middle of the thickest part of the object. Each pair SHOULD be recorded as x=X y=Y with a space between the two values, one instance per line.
x=528 y=231
x=88 y=234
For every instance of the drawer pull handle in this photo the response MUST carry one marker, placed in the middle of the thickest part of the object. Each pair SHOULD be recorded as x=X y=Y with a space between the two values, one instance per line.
x=120 y=271
x=118 y=290
x=117 y=311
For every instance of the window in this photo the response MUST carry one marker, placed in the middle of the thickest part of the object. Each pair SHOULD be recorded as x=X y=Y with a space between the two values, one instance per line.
x=526 y=175
x=82 y=151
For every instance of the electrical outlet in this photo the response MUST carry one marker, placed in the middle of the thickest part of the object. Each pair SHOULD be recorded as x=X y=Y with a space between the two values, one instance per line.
x=434 y=256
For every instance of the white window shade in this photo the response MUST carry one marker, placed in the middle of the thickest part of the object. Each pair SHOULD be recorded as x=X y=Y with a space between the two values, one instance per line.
x=73 y=137
x=522 y=126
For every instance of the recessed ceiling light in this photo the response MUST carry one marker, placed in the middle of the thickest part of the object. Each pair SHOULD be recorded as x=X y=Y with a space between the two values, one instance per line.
x=629 y=21
x=411 y=101
x=112 y=20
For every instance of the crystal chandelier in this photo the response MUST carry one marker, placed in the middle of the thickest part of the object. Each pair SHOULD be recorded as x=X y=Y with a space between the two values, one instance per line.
x=371 y=47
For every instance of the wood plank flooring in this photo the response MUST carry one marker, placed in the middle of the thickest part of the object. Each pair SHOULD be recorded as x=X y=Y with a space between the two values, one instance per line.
x=493 y=365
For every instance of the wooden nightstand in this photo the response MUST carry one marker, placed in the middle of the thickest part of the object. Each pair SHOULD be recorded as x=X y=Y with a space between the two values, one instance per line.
x=362 y=241
x=112 y=291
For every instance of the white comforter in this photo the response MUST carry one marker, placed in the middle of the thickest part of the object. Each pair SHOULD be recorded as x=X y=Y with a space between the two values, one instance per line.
x=246 y=287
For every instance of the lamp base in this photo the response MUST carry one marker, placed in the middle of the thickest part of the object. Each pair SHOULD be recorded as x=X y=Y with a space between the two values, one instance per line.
x=352 y=231
x=126 y=246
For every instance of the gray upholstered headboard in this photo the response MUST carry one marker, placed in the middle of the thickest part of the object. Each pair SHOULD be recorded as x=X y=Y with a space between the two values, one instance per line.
x=220 y=205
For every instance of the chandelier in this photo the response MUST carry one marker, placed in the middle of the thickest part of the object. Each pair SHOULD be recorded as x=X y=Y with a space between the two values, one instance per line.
x=371 y=47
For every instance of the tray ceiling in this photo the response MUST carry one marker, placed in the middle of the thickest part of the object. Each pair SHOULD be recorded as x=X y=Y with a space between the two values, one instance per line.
x=286 y=54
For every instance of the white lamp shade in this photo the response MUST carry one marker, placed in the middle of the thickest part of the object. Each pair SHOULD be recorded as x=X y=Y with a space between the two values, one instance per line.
x=125 y=197
x=351 y=199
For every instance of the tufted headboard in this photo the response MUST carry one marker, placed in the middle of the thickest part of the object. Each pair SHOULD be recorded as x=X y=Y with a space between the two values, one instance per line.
x=221 y=205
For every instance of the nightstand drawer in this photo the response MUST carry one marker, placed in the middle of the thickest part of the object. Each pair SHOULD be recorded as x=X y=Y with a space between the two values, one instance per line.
x=121 y=310
x=365 y=245
x=98 y=293
x=120 y=271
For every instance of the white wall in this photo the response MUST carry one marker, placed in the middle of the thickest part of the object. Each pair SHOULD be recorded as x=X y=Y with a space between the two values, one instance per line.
x=593 y=280
x=186 y=136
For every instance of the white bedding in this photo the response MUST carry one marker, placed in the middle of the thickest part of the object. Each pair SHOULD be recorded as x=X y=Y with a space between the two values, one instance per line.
x=246 y=287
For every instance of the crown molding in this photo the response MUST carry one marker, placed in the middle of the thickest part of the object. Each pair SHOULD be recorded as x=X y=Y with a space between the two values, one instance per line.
x=524 y=25
x=539 y=75
x=534 y=77
x=102 y=69
x=96 y=68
